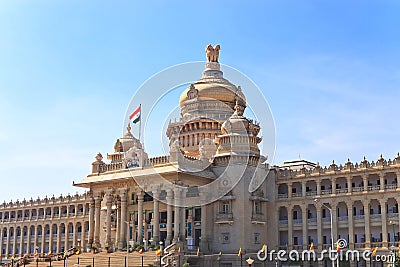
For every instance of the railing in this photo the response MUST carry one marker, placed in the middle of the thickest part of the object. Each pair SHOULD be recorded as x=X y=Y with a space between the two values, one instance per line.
x=297 y=221
x=375 y=216
x=282 y=196
x=326 y=192
x=343 y=218
x=312 y=220
x=359 y=217
x=258 y=217
x=221 y=217
x=342 y=191
x=359 y=245
x=311 y=193
x=373 y=187
x=357 y=189
x=284 y=221
x=376 y=244
x=391 y=186
x=393 y=215
x=294 y=195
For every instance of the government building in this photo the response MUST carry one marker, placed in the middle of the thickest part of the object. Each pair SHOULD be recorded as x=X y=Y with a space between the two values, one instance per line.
x=213 y=192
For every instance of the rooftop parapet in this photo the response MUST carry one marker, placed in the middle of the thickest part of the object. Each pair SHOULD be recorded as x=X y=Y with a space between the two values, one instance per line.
x=348 y=167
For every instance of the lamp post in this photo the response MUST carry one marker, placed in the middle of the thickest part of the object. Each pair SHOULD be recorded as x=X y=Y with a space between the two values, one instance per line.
x=330 y=211
x=394 y=243
x=127 y=245
x=249 y=261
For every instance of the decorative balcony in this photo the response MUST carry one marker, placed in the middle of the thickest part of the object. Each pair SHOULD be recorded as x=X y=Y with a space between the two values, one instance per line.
x=357 y=189
x=258 y=218
x=296 y=195
x=342 y=191
x=224 y=218
x=282 y=196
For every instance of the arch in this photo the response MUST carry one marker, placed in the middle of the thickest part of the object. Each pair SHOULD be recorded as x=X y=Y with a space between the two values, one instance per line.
x=72 y=210
x=56 y=211
x=80 y=210
x=296 y=189
x=311 y=188
x=342 y=211
x=282 y=189
x=296 y=214
x=374 y=208
x=55 y=230
x=283 y=213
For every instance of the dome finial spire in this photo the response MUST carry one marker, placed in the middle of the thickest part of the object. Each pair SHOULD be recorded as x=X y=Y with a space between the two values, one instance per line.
x=212 y=53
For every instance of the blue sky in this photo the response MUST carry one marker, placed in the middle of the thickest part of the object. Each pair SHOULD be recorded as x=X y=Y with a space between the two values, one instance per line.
x=329 y=70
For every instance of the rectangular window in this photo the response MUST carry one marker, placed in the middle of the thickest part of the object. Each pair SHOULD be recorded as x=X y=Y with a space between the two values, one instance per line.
x=225 y=207
x=257 y=238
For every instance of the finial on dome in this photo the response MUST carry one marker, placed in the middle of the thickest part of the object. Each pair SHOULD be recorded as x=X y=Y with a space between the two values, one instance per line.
x=239 y=109
x=129 y=127
x=212 y=53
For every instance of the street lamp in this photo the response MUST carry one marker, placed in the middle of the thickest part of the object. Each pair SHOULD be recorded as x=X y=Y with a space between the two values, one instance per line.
x=249 y=261
x=330 y=211
x=394 y=243
x=127 y=245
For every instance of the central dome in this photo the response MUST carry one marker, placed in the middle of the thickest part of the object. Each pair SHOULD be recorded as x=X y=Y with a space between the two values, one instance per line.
x=215 y=92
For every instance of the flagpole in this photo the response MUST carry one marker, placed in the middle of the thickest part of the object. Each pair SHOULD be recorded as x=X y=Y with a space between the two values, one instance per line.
x=140 y=122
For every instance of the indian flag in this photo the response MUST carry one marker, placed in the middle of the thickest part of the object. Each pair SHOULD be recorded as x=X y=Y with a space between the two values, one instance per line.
x=240 y=253
x=135 y=116
x=312 y=246
x=264 y=247
x=374 y=251
x=158 y=252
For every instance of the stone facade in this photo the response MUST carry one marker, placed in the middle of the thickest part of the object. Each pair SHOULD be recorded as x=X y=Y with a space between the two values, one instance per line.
x=128 y=202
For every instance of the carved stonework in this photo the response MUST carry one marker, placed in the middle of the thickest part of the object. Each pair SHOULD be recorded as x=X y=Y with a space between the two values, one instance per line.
x=212 y=53
x=192 y=93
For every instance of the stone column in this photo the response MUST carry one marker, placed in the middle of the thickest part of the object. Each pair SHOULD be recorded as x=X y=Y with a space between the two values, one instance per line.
x=97 y=225
x=318 y=182
x=365 y=181
x=335 y=221
x=367 y=224
x=59 y=239
x=140 y=217
x=15 y=242
x=177 y=215
x=66 y=238
x=51 y=238
x=204 y=236
x=182 y=209
x=123 y=220
x=156 y=219
x=1 y=240
x=304 y=222
x=382 y=185
x=398 y=183
x=21 y=244
x=303 y=189
x=28 y=246
x=43 y=239
x=349 y=205
x=8 y=242
x=109 y=203
x=349 y=184
x=118 y=223
x=290 y=226
x=91 y=221
x=289 y=186
x=169 y=217
x=319 y=225
x=382 y=202
x=35 y=241
x=333 y=185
